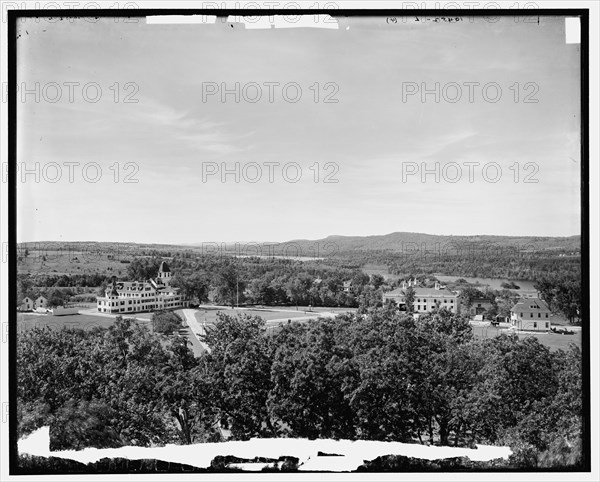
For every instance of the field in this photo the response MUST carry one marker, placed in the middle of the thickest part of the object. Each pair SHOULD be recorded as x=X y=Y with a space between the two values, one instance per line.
x=27 y=321
x=208 y=314
x=57 y=262
x=273 y=316
x=553 y=341
x=381 y=269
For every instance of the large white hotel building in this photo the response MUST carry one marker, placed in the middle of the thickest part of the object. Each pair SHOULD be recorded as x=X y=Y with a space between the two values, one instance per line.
x=135 y=296
x=425 y=299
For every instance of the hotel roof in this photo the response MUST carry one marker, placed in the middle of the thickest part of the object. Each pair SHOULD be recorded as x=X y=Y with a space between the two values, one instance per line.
x=421 y=291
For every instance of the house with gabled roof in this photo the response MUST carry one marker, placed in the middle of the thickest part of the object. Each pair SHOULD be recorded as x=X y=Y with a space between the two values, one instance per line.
x=531 y=314
x=479 y=306
x=27 y=304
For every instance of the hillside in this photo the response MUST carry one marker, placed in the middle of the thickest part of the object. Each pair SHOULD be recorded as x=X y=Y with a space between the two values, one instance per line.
x=404 y=242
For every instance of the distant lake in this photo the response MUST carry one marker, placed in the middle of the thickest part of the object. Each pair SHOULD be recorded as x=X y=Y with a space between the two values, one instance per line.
x=494 y=283
x=263 y=256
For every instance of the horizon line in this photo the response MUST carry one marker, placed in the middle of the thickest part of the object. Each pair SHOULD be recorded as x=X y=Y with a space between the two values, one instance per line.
x=304 y=239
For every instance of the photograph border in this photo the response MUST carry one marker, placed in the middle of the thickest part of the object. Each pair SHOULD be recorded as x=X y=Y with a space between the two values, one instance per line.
x=15 y=15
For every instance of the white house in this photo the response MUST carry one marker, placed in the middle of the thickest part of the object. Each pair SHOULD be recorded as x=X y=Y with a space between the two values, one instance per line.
x=425 y=299
x=531 y=314
x=41 y=302
x=27 y=304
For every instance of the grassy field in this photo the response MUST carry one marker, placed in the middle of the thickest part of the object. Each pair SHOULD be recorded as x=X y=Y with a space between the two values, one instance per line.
x=209 y=315
x=382 y=269
x=47 y=261
x=27 y=321
x=87 y=322
x=553 y=341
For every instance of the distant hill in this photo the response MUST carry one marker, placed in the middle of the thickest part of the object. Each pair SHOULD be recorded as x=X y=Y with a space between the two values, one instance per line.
x=510 y=257
x=392 y=243
x=401 y=242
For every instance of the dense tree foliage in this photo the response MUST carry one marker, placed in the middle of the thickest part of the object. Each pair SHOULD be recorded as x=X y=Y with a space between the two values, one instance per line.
x=195 y=286
x=26 y=281
x=258 y=281
x=375 y=375
x=563 y=294
x=114 y=379
x=237 y=372
x=166 y=322
x=485 y=263
x=142 y=269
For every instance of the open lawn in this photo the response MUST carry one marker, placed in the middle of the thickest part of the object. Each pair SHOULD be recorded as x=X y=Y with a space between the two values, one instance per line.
x=88 y=321
x=56 y=262
x=316 y=309
x=27 y=321
x=209 y=314
x=381 y=269
x=553 y=341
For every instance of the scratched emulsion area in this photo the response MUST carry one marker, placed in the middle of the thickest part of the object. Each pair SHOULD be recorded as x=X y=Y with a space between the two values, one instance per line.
x=349 y=455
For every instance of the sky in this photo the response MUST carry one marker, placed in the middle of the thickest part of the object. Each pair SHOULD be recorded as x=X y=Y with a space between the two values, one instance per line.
x=132 y=132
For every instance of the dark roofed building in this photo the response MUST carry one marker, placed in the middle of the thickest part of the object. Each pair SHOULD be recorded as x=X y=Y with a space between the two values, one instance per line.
x=164 y=274
x=479 y=306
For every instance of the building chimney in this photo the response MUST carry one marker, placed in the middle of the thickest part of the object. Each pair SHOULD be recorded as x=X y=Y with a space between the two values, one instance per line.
x=437 y=285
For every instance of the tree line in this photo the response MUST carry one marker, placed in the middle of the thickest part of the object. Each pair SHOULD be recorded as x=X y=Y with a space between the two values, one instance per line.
x=258 y=281
x=493 y=264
